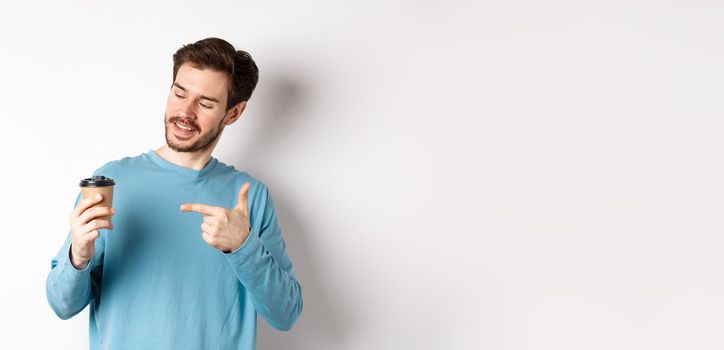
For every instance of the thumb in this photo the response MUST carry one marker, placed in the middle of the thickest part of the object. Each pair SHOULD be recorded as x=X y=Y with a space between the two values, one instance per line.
x=243 y=203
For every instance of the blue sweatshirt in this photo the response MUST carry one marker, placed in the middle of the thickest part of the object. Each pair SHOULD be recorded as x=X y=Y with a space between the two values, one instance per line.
x=154 y=283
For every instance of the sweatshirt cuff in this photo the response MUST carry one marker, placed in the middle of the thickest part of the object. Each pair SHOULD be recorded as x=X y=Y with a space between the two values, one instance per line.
x=248 y=250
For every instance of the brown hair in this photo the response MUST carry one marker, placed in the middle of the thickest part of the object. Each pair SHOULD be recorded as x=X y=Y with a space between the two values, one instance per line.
x=218 y=54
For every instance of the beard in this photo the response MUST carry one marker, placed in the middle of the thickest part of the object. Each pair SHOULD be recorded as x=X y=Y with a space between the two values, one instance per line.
x=204 y=141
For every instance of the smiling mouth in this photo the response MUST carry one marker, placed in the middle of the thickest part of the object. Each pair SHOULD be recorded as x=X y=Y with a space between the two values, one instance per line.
x=185 y=127
x=183 y=131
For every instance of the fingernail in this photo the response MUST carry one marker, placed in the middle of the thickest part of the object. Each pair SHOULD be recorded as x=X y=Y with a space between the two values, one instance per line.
x=98 y=196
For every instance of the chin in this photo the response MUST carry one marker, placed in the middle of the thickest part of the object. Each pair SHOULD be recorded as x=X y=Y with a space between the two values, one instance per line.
x=178 y=145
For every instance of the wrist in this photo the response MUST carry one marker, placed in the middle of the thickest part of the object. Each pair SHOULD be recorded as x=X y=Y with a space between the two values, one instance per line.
x=79 y=264
x=245 y=238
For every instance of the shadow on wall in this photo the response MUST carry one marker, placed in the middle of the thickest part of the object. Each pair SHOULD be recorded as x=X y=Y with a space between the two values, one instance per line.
x=319 y=325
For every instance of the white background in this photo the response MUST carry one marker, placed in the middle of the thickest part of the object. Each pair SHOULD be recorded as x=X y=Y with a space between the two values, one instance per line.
x=449 y=174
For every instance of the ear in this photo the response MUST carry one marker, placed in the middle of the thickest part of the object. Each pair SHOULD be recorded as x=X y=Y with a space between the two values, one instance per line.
x=235 y=113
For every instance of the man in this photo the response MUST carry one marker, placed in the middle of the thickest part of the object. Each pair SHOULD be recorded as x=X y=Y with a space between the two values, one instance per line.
x=195 y=250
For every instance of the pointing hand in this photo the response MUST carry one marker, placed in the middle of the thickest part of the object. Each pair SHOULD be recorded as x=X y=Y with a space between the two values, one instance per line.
x=224 y=229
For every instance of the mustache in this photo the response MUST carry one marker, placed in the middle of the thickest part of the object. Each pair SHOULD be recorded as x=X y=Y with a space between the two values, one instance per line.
x=183 y=121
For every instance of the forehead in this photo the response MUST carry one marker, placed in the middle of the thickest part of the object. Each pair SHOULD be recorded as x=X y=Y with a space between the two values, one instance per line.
x=206 y=82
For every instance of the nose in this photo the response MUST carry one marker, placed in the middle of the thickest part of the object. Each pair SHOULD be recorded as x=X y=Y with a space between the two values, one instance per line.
x=187 y=109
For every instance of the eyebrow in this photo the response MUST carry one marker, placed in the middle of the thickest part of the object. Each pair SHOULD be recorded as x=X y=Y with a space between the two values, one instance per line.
x=202 y=96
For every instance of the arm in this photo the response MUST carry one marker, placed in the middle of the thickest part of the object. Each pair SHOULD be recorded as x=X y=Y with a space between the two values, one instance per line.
x=69 y=288
x=261 y=264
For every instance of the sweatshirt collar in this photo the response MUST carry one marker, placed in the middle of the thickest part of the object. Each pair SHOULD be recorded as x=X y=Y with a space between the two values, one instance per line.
x=177 y=169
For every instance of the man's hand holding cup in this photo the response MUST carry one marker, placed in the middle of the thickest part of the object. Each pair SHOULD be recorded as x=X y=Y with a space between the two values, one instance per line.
x=91 y=214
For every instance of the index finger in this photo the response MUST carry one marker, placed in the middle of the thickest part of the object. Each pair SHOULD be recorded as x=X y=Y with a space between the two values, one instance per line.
x=200 y=208
x=86 y=203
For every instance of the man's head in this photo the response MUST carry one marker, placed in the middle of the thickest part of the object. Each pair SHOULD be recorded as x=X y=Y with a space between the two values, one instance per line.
x=211 y=84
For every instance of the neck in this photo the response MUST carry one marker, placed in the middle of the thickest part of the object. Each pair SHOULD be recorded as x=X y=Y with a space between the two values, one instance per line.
x=192 y=160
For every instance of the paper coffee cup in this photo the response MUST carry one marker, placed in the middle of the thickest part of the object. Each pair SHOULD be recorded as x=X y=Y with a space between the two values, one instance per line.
x=99 y=184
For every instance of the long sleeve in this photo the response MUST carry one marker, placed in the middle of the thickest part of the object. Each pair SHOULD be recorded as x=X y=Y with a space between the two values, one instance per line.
x=261 y=264
x=68 y=289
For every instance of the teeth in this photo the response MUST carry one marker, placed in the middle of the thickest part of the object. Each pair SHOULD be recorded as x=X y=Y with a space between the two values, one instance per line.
x=184 y=127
